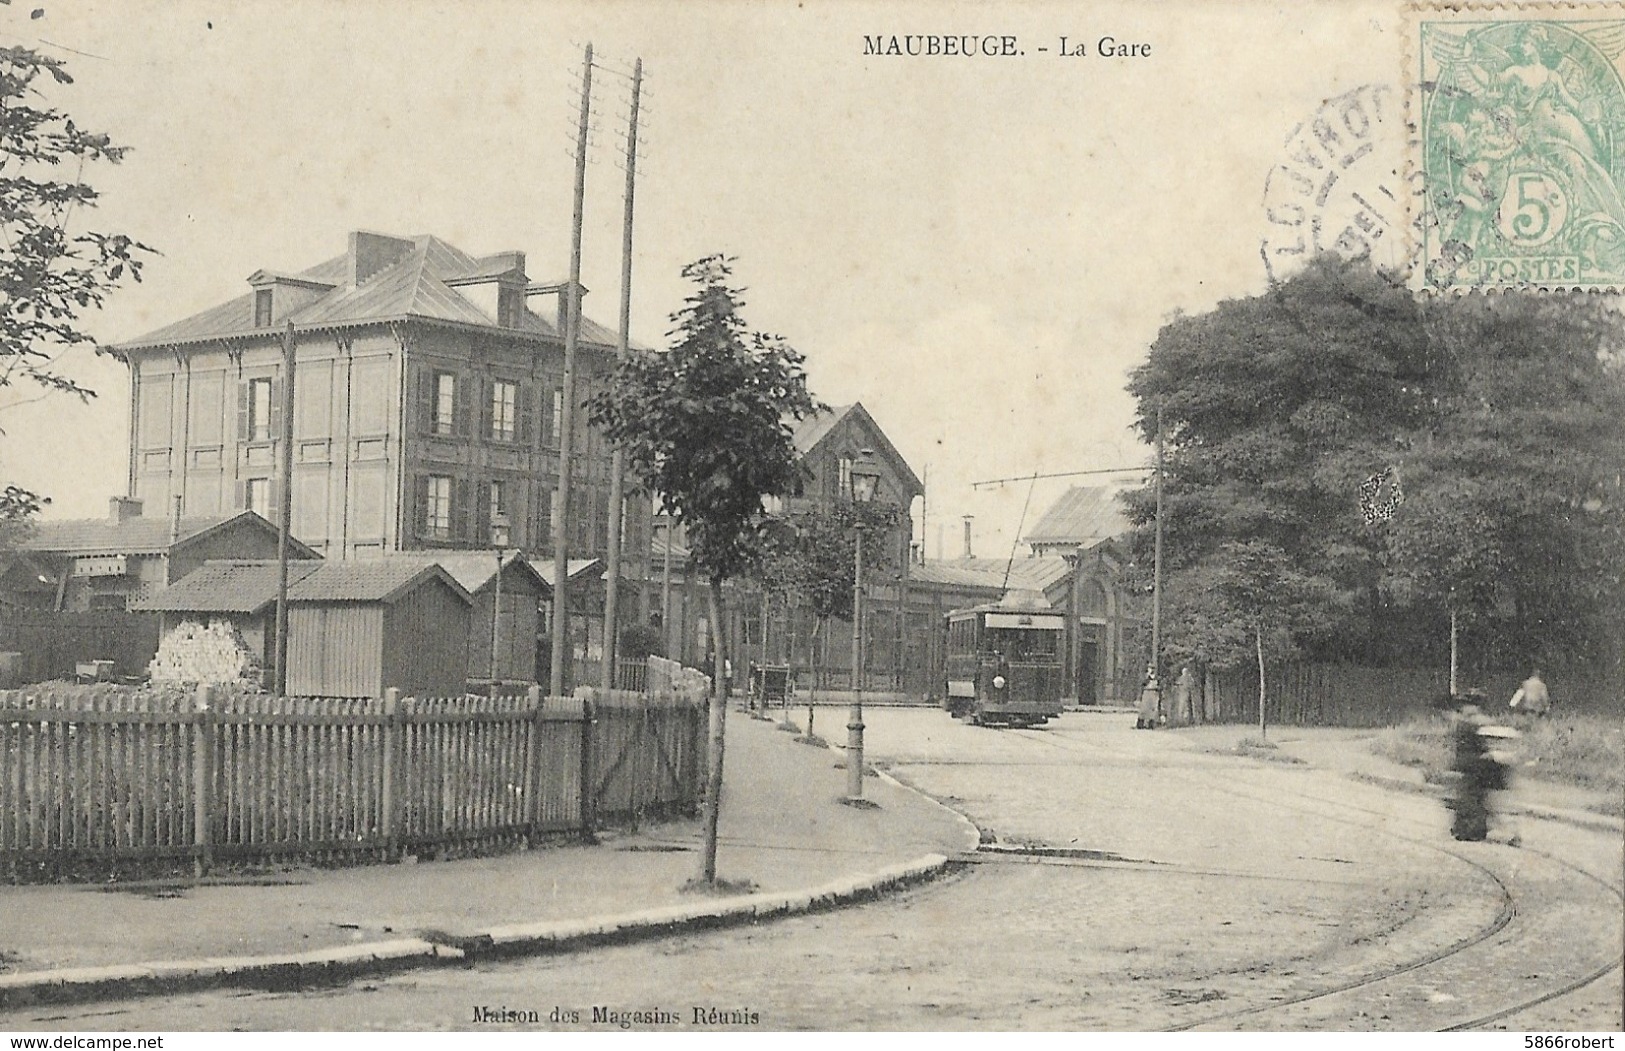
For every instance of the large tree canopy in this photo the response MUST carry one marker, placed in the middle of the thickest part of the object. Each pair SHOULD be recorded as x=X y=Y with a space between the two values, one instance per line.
x=1501 y=421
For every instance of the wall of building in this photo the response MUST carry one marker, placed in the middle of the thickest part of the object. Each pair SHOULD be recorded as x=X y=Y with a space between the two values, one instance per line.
x=336 y=650
x=425 y=642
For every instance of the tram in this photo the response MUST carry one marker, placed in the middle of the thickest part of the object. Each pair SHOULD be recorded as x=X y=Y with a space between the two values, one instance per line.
x=1004 y=662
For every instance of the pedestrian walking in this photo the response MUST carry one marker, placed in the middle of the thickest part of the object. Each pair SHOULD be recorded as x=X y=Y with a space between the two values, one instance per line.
x=1479 y=769
x=1532 y=696
x=1150 y=701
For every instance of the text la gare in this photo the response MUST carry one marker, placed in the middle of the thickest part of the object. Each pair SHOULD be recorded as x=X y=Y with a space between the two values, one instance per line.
x=1105 y=47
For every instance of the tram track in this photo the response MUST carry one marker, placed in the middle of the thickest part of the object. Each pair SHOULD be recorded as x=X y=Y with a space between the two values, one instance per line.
x=1448 y=964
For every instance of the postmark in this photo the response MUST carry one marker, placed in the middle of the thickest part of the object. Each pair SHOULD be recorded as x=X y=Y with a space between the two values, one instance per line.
x=1340 y=185
x=1519 y=121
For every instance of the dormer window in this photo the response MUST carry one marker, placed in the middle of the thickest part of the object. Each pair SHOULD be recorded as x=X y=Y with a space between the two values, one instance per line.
x=262 y=308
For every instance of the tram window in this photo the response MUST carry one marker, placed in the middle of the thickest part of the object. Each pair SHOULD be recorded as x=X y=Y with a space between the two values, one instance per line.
x=1020 y=643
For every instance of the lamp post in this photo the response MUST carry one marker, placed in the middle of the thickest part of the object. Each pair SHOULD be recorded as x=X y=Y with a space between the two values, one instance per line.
x=499 y=540
x=864 y=481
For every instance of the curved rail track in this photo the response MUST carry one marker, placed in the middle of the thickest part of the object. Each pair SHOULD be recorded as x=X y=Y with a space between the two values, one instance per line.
x=1498 y=955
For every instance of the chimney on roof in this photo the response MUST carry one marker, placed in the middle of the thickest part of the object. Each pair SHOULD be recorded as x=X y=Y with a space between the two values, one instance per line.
x=967 y=536
x=123 y=508
x=557 y=291
x=370 y=253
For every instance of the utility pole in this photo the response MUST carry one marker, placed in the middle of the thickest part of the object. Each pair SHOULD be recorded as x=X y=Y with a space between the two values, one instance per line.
x=284 y=515
x=572 y=336
x=617 y=462
x=1156 y=568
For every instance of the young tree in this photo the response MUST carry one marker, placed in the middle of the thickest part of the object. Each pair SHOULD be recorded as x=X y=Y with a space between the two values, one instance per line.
x=49 y=275
x=705 y=425
x=811 y=555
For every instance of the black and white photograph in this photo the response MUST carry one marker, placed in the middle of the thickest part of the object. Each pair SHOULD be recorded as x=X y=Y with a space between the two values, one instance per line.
x=756 y=517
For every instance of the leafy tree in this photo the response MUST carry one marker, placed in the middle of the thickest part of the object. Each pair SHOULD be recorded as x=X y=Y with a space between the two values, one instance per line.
x=18 y=506
x=49 y=276
x=1503 y=416
x=1274 y=409
x=810 y=555
x=1514 y=519
x=704 y=424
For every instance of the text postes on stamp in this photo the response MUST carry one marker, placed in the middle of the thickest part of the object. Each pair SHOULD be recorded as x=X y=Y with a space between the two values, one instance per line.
x=1520 y=122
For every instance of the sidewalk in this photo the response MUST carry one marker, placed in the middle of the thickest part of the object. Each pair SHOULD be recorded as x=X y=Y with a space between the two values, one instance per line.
x=783 y=829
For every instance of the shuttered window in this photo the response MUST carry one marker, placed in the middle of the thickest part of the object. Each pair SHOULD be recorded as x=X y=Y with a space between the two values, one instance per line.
x=504 y=411
x=445 y=403
x=437 y=507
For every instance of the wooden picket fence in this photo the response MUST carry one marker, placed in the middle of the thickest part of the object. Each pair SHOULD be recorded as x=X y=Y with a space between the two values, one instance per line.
x=102 y=777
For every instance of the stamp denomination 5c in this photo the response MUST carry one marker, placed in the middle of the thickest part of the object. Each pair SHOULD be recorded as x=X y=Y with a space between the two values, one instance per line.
x=1520 y=142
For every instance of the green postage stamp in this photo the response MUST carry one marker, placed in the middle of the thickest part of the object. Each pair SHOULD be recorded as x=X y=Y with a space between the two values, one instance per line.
x=1520 y=122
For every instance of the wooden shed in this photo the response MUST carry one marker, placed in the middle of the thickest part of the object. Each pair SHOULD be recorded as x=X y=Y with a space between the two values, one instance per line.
x=355 y=628
x=514 y=627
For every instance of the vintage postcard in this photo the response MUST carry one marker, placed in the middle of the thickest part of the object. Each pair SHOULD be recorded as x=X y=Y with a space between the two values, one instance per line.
x=551 y=517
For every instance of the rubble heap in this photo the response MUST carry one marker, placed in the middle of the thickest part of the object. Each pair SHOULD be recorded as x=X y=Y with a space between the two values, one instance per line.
x=215 y=654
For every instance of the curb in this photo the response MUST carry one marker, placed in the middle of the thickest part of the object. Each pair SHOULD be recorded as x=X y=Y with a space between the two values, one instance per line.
x=1574 y=818
x=334 y=966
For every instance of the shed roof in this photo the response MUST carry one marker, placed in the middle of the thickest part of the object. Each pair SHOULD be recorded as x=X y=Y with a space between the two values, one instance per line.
x=249 y=586
x=1084 y=515
x=577 y=569
x=411 y=287
x=138 y=535
x=472 y=569
x=1033 y=574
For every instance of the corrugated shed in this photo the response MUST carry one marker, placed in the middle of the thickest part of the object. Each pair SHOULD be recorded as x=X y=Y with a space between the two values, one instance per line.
x=249 y=585
x=475 y=569
x=226 y=587
x=577 y=569
x=1083 y=515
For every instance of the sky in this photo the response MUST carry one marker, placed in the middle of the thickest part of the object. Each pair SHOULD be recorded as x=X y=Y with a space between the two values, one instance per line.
x=978 y=249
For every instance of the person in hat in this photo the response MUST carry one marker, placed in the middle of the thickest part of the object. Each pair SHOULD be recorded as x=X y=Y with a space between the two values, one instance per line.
x=1480 y=769
x=1150 y=701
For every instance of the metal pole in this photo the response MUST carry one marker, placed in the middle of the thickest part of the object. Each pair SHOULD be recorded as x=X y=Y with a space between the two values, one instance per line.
x=279 y=681
x=1156 y=568
x=854 y=722
x=572 y=336
x=496 y=619
x=617 y=462
x=665 y=599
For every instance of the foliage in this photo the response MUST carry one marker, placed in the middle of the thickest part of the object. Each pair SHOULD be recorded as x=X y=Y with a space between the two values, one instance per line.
x=49 y=276
x=705 y=424
x=1585 y=751
x=1505 y=417
x=18 y=506
x=810 y=554
x=641 y=640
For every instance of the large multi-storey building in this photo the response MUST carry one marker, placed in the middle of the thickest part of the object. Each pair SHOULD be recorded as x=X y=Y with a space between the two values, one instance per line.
x=428 y=395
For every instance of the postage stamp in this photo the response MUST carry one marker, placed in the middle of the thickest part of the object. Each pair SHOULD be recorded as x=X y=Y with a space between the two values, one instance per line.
x=1519 y=139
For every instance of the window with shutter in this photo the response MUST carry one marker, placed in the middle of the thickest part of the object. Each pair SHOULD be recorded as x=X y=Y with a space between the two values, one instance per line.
x=465 y=405
x=437 y=504
x=255 y=420
x=445 y=403
x=463 y=509
x=273 y=416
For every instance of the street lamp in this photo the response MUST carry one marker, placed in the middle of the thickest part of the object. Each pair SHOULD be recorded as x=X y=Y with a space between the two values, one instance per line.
x=864 y=481
x=500 y=532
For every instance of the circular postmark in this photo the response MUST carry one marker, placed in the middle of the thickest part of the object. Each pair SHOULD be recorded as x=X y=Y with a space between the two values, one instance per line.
x=1339 y=186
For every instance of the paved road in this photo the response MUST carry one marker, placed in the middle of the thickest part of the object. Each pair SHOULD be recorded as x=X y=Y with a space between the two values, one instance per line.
x=1146 y=884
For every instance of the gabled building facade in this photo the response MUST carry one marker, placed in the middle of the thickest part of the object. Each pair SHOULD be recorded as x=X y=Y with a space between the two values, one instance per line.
x=428 y=398
x=111 y=563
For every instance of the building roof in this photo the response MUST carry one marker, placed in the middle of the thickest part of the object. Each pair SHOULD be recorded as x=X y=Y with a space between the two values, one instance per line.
x=806 y=435
x=1084 y=515
x=472 y=569
x=411 y=287
x=1030 y=574
x=137 y=535
x=575 y=570
x=249 y=586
